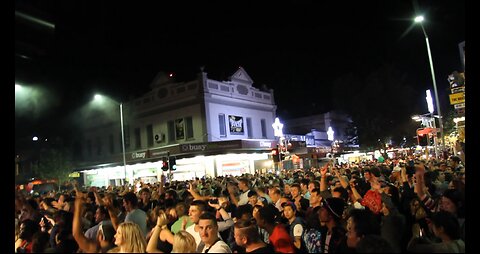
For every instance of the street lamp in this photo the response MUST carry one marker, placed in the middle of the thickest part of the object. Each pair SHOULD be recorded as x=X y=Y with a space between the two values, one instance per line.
x=419 y=19
x=99 y=97
x=277 y=128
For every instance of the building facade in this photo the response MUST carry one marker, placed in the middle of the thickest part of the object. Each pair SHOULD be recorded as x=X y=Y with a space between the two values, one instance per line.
x=211 y=127
x=313 y=138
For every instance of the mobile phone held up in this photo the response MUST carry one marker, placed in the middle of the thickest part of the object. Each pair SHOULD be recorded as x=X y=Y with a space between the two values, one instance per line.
x=213 y=201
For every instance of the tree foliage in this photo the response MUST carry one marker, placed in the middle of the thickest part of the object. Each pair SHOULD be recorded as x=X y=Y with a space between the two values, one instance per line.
x=53 y=164
x=380 y=104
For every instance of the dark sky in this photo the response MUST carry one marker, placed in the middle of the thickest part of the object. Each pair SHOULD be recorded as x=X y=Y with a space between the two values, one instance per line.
x=298 y=49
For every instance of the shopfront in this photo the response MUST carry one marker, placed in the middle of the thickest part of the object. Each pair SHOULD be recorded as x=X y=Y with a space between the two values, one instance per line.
x=196 y=160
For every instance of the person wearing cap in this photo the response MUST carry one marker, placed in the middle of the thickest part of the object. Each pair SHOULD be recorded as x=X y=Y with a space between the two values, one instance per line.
x=296 y=224
x=333 y=234
x=396 y=176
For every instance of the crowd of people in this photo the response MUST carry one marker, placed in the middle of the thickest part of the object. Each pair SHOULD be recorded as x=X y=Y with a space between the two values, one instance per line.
x=402 y=205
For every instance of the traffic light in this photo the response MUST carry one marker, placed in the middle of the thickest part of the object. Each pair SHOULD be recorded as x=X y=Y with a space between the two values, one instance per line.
x=275 y=155
x=172 y=161
x=164 y=164
x=424 y=140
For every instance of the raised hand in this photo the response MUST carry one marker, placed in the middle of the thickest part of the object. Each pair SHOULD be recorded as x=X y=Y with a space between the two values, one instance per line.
x=162 y=219
x=184 y=223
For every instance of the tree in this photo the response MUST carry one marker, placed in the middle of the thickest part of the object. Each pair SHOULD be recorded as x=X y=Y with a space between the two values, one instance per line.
x=351 y=134
x=53 y=164
x=380 y=104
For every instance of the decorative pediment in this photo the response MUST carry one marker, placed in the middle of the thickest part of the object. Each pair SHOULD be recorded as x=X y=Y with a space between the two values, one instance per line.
x=241 y=76
x=161 y=79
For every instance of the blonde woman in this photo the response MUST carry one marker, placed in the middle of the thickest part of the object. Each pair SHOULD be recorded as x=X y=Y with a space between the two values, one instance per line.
x=184 y=242
x=129 y=239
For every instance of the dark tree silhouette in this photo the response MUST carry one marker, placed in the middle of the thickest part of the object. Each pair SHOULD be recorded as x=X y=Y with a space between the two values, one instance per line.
x=380 y=103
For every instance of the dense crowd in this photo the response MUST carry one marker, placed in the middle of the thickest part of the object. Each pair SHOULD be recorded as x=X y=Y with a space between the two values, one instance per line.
x=401 y=205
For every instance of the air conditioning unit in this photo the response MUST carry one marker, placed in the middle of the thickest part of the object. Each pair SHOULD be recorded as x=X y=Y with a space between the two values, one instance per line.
x=160 y=137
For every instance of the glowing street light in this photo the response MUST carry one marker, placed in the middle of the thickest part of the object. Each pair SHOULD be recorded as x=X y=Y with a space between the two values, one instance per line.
x=18 y=88
x=277 y=128
x=330 y=133
x=419 y=19
x=98 y=97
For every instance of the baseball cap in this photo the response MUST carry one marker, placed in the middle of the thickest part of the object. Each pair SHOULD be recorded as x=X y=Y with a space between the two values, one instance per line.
x=291 y=204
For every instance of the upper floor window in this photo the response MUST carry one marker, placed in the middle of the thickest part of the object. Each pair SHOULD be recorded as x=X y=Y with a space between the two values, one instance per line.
x=138 y=140
x=99 y=146
x=189 y=127
x=179 y=129
x=150 y=135
x=222 y=126
x=264 y=128
x=171 y=131
x=249 y=127
x=110 y=142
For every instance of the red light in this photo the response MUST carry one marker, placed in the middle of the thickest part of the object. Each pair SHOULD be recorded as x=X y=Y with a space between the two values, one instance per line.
x=171 y=75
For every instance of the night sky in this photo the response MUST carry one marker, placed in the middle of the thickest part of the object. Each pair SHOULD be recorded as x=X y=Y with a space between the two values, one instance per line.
x=298 y=49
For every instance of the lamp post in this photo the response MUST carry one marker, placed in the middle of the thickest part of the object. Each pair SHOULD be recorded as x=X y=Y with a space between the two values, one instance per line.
x=98 y=97
x=123 y=143
x=419 y=19
x=431 y=110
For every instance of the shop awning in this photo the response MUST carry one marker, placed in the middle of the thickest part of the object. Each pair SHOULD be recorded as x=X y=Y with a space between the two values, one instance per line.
x=425 y=131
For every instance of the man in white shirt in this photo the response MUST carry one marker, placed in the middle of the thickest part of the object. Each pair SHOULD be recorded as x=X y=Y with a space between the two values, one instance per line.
x=208 y=228
x=243 y=186
x=197 y=208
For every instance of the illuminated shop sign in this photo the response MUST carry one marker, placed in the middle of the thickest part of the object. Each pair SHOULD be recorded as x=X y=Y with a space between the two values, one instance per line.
x=200 y=147
x=265 y=144
x=139 y=155
x=236 y=125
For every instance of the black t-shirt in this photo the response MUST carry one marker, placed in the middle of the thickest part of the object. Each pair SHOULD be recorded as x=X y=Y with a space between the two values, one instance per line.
x=266 y=249
x=149 y=206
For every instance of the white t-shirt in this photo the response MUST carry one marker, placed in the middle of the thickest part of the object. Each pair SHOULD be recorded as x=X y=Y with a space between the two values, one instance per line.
x=243 y=199
x=298 y=230
x=218 y=247
x=196 y=235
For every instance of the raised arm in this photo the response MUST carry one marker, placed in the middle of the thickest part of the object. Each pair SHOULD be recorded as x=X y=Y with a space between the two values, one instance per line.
x=85 y=244
x=227 y=220
x=194 y=193
x=108 y=201
x=231 y=192
x=152 y=243
x=342 y=180
x=98 y=199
